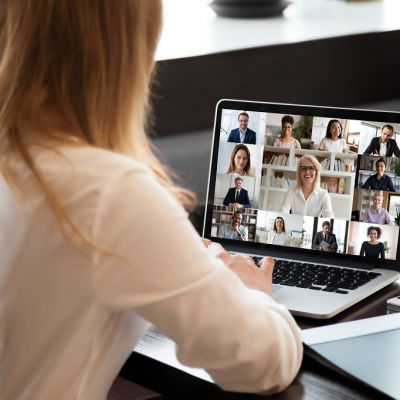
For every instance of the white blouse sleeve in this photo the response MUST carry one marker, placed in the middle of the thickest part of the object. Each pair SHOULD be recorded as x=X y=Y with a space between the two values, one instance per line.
x=287 y=202
x=270 y=237
x=322 y=145
x=326 y=206
x=287 y=239
x=245 y=340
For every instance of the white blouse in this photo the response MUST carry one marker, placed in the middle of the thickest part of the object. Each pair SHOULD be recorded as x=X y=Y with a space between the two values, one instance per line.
x=282 y=239
x=335 y=146
x=69 y=320
x=318 y=203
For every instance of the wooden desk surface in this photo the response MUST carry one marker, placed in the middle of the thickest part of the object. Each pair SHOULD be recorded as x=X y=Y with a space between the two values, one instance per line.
x=313 y=381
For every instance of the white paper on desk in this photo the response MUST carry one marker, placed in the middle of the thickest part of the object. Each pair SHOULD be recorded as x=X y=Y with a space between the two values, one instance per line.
x=367 y=350
x=156 y=345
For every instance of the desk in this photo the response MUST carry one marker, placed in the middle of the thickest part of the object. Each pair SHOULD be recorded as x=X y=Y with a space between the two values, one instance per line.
x=313 y=381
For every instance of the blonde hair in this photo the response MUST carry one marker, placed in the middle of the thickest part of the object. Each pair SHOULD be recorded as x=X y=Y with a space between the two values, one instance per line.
x=378 y=194
x=89 y=61
x=317 y=165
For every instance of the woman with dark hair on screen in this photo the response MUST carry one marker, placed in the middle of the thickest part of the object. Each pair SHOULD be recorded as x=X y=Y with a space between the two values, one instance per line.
x=286 y=139
x=239 y=163
x=373 y=248
x=278 y=235
x=380 y=180
x=95 y=242
x=333 y=140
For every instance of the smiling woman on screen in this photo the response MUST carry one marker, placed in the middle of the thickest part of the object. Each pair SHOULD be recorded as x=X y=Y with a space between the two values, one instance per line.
x=240 y=163
x=333 y=140
x=307 y=197
x=95 y=241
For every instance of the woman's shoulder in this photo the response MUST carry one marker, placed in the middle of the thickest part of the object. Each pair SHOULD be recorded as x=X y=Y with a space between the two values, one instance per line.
x=322 y=191
x=102 y=157
x=101 y=162
x=87 y=166
x=323 y=143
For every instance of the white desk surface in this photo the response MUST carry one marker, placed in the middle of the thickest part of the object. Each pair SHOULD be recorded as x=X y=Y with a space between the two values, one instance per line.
x=191 y=28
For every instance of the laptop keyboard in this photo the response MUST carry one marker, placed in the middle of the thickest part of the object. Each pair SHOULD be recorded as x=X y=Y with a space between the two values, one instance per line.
x=319 y=277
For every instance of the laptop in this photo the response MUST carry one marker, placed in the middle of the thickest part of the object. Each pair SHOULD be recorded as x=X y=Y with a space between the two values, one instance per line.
x=318 y=189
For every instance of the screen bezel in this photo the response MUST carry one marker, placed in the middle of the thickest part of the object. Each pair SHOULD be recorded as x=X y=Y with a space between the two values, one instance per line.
x=258 y=248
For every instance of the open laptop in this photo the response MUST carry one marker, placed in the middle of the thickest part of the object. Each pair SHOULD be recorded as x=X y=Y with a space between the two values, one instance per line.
x=334 y=245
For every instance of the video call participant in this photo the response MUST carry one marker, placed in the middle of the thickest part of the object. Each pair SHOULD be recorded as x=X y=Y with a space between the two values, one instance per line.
x=307 y=197
x=377 y=214
x=243 y=134
x=333 y=140
x=239 y=163
x=235 y=230
x=379 y=181
x=384 y=145
x=278 y=235
x=286 y=139
x=237 y=197
x=325 y=240
x=373 y=247
x=74 y=306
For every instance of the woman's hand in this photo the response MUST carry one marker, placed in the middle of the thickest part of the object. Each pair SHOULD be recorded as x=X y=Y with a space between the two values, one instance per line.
x=207 y=242
x=245 y=268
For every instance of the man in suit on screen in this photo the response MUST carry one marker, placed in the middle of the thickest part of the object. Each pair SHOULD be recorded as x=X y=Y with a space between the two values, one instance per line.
x=325 y=240
x=237 y=197
x=242 y=134
x=384 y=145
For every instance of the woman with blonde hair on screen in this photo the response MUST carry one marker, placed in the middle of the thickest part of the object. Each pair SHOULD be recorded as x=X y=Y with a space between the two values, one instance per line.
x=94 y=238
x=307 y=197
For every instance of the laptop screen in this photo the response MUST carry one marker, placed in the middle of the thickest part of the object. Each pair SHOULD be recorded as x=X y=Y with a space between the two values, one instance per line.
x=316 y=182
